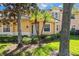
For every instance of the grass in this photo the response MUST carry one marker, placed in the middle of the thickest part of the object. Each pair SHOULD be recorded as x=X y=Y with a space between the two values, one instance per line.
x=3 y=46
x=42 y=51
x=46 y=49
x=74 y=49
x=74 y=43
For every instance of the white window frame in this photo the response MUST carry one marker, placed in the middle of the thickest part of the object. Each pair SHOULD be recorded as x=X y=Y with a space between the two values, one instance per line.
x=3 y=28
x=54 y=15
x=50 y=28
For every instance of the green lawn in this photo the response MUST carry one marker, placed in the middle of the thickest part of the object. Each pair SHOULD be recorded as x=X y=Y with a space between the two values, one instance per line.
x=74 y=49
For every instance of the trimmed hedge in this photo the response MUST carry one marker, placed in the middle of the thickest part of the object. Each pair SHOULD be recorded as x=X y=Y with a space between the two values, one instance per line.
x=8 y=39
x=27 y=40
x=51 y=37
x=44 y=38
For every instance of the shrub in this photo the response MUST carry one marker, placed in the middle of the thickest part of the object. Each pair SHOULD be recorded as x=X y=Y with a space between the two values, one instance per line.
x=8 y=39
x=43 y=36
x=48 y=38
x=56 y=36
x=34 y=39
x=72 y=31
x=52 y=37
x=26 y=40
x=25 y=36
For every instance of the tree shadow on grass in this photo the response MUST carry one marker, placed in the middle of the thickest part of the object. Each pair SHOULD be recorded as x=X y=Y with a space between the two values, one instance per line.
x=22 y=50
x=16 y=51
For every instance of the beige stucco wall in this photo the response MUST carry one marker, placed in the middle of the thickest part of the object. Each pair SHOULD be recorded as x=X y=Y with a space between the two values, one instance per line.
x=75 y=22
x=26 y=26
x=72 y=23
x=52 y=28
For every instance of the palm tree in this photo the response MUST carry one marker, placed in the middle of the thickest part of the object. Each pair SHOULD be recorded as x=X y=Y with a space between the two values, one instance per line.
x=47 y=18
x=36 y=18
x=65 y=33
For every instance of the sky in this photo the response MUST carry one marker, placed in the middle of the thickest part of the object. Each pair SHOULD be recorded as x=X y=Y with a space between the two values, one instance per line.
x=49 y=5
x=2 y=7
x=45 y=5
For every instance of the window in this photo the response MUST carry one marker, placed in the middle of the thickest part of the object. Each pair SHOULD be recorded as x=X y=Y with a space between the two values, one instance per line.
x=57 y=28
x=73 y=28
x=72 y=16
x=55 y=14
x=47 y=28
x=6 y=27
x=1 y=15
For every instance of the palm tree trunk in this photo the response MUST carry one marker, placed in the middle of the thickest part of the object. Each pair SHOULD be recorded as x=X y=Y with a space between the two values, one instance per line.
x=32 y=35
x=43 y=27
x=65 y=31
x=41 y=39
x=19 y=30
x=37 y=31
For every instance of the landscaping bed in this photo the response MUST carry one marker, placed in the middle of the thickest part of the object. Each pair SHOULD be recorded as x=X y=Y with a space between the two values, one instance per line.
x=46 y=49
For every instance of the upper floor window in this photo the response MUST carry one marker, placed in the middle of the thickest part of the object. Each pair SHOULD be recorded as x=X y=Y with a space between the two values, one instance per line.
x=56 y=15
x=47 y=28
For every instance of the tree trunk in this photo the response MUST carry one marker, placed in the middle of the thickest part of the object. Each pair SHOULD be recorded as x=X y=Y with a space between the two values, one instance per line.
x=19 y=30
x=43 y=27
x=37 y=31
x=65 y=31
x=42 y=39
x=32 y=35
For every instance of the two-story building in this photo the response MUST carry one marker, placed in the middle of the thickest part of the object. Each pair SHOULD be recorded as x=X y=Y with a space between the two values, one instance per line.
x=57 y=14
x=27 y=28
